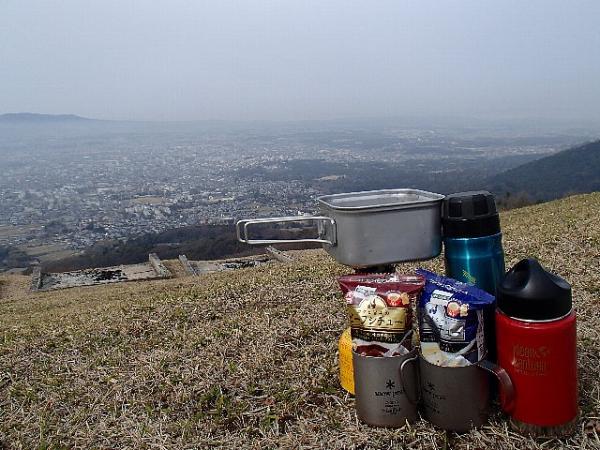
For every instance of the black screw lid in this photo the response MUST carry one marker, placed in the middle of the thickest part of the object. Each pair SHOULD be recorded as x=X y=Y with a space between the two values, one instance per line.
x=530 y=292
x=470 y=214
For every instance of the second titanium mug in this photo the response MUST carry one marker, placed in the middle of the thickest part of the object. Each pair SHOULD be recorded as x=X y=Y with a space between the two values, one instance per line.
x=458 y=398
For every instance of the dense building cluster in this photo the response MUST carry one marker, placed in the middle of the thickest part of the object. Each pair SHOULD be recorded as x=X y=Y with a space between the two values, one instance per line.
x=64 y=194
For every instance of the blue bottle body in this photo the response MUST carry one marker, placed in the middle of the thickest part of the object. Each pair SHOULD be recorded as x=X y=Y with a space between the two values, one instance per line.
x=478 y=260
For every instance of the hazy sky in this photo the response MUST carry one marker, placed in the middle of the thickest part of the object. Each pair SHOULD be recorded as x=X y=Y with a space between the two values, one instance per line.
x=301 y=59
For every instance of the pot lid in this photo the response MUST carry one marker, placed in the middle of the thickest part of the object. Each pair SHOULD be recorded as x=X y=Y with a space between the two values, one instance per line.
x=380 y=199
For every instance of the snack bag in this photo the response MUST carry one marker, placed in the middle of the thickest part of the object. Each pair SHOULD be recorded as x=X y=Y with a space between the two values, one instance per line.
x=379 y=310
x=452 y=315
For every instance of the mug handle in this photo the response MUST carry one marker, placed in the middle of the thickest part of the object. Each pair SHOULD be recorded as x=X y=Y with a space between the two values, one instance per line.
x=507 y=389
x=414 y=357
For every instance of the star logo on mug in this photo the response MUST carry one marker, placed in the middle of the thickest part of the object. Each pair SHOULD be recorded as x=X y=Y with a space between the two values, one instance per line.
x=390 y=384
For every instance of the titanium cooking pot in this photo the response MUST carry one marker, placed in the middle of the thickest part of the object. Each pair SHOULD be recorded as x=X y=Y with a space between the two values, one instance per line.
x=371 y=228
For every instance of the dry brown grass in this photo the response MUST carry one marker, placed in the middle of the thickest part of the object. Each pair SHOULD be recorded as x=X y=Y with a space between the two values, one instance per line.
x=245 y=359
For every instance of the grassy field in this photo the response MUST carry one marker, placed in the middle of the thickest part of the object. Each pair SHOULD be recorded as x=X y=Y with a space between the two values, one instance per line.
x=10 y=231
x=247 y=359
x=51 y=252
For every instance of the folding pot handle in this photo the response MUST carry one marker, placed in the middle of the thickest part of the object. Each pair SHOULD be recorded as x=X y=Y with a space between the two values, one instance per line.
x=507 y=389
x=325 y=223
x=411 y=359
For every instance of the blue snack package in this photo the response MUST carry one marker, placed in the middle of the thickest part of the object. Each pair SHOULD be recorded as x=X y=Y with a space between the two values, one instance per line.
x=453 y=314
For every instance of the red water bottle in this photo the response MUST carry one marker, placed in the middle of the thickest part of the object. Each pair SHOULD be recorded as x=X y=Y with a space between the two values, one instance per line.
x=536 y=344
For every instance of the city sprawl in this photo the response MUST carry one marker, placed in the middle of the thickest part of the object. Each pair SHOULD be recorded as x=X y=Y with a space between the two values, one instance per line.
x=61 y=191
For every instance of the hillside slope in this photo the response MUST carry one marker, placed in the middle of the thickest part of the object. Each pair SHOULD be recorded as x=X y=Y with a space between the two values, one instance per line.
x=575 y=170
x=35 y=118
x=245 y=359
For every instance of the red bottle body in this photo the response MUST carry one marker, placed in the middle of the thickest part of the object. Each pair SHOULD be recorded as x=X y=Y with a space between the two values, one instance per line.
x=541 y=360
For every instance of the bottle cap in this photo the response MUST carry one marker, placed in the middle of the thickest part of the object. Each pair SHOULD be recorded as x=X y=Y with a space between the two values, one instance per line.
x=470 y=214
x=529 y=292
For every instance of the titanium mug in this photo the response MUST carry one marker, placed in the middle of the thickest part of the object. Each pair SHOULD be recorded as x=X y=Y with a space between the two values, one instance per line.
x=458 y=398
x=381 y=392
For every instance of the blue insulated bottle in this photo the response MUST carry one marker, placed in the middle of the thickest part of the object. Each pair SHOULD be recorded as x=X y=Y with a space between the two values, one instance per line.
x=472 y=239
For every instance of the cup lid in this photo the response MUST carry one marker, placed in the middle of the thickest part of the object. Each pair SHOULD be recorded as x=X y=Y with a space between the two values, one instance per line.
x=529 y=292
x=470 y=214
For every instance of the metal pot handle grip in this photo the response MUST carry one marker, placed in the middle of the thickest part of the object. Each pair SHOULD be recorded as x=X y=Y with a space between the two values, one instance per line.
x=411 y=359
x=507 y=389
x=329 y=224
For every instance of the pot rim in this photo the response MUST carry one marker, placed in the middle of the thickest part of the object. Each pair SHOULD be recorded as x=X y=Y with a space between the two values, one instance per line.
x=425 y=198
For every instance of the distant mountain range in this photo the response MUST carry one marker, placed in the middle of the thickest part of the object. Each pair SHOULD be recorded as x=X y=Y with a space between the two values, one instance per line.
x=26 y=117
x=576 y=170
